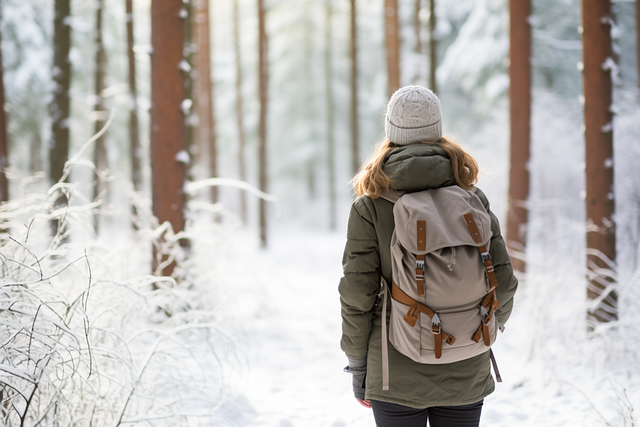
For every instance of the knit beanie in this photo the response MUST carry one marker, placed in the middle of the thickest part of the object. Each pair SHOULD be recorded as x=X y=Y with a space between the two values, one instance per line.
x=413 y=115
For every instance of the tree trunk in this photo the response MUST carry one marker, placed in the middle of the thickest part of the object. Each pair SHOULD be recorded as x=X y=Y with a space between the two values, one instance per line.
x=188 y=107
x=392 y=45
x=355 y=156
x=4 y=138
x=168 y=133
x=520 y=116
x=331 y=167
x=638 y=39
x=601 y=239
x=263 y=79
x=417 y=29
x=136 y=153
x=59 y=108
x=433 y=46
x=100 y=152
x=206 y=117
x=239 y=110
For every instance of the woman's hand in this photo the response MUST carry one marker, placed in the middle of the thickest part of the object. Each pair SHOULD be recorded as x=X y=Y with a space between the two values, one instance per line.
x=365 y=403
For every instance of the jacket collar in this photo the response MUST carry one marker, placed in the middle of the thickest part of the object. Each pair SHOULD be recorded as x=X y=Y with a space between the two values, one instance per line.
x=418 y=167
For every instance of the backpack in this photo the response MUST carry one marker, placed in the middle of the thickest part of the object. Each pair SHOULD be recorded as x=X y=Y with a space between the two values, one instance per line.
x=443 y=285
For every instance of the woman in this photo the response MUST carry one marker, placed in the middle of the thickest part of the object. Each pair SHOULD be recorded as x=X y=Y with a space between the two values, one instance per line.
x=413 y=157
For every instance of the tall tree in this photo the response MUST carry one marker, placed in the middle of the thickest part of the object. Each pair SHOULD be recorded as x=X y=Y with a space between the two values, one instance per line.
x=520 y=116
x=597 y=55
x=239 y=109
x=188 y=105
x=392 y=41
x=135 y=153
x=263 y=81
x=355 y=156
x=168 y=133
x=417 y=29
x=100 y=152
x=4 y=138
x=59 y=108
x=328 y=62
x=433 y=46
x=206 y=131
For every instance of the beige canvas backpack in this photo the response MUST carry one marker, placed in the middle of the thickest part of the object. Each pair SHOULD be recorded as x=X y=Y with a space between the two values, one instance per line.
x=443 y=289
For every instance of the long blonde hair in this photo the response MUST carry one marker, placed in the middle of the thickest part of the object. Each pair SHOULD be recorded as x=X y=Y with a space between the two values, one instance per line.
x=372 y=181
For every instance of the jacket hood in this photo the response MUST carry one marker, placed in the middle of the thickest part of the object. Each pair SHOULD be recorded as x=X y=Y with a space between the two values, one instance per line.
x=418 y=167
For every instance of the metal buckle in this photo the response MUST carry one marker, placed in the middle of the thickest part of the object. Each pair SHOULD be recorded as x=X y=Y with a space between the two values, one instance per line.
x=484 y=315
x=486 y=256
x=435 y=323
x=420 y=264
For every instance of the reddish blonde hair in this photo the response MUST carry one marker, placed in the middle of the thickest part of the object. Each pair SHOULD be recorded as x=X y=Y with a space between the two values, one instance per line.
x=372 y=181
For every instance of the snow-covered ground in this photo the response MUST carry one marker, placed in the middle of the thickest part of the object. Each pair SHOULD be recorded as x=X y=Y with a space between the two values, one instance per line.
x=284 y=306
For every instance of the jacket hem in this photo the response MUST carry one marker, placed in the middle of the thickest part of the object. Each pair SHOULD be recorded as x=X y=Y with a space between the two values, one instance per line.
x=422 y=405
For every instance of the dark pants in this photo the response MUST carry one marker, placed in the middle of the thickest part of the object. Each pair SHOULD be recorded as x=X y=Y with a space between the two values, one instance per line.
x=392 y=415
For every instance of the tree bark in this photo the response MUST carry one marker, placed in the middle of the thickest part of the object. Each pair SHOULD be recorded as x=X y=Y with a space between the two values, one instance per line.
x=59 y=108
x=136 y=153
x=355 y=156
x=189 y=108
x=239 y=110
x=263 y=80
x=331 y=167
x=417 y=29
x=433 y=46
x=597 y=55
x=392 y=45
x=520 y=117
x=168 y=133
x=207 y=134
x=4 y=138
x=100 y=152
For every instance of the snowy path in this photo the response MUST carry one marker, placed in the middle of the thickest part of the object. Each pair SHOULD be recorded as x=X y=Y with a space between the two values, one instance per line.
x=292 y=338
x=286 y=315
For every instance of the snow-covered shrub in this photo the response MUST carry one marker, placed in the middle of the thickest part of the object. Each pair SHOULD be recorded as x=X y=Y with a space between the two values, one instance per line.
x=85 y=342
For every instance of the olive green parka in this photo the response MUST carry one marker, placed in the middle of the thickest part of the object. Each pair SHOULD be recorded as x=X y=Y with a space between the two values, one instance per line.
x=411 y=168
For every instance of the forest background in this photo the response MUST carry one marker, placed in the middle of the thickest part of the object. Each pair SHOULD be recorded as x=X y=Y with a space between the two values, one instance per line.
x=102 y=254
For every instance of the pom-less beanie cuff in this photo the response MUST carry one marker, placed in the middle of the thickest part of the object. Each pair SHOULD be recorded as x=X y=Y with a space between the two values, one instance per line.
x=413 y=115
x=404 y=136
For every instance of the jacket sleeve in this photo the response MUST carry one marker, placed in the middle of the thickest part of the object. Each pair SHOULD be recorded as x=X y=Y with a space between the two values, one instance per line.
x=507 y=282
x=360 y=283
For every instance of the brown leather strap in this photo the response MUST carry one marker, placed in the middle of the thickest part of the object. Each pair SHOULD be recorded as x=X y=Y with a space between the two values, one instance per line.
x=415 y=308
x=422 y=235
x=399 y=295
x=484 y=253
x=420 y=274
x=437 y=341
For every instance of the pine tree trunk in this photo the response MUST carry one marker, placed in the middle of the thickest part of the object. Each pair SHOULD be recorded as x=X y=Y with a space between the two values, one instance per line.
x=331 y=167
x=100 y=152
x=355 y=156
x=239 y=110
x=188 y=82
x=520 y=116
x=59 y=108
x=4 y=138
x=263 y=76
x=168 y=133
x=433 y=46
x=136 y=154
x=601 y=238
x=417 y=29
x=392 y=45
x=206 y=117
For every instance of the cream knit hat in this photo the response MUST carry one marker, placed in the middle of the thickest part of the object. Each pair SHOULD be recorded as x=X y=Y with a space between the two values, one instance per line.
x=413 y=115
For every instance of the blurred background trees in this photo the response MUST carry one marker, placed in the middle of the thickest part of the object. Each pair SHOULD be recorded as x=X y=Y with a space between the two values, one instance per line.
x=296 y=119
